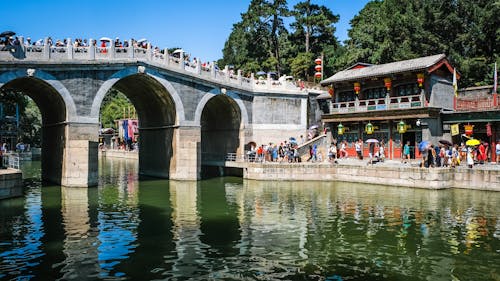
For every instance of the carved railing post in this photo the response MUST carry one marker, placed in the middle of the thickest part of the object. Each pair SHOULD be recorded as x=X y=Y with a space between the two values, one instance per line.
x=112 y=49
x=239 y=77
x=181 y=60
x=22 y=48
x=69 y=49
x=166 y=57
x=226 y=73
x=198 y=66
x=212 y=69
x=91 y=49
x=149 y=52
x=46 y=49
x=131 y=49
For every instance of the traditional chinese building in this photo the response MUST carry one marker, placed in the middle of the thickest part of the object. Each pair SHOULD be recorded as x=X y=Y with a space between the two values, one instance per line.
x=477 y=115
x=394 y=103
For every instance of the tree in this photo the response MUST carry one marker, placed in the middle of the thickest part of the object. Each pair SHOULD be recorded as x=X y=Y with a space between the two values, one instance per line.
x=467 y=31
x=257 y=37
x=113 y=107
x=314 y=26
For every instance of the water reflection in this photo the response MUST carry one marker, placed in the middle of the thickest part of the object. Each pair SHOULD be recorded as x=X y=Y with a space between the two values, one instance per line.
x=21 y=249
x=230 y=229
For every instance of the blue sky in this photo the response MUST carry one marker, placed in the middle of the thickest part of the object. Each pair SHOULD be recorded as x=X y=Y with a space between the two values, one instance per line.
x=201 y=27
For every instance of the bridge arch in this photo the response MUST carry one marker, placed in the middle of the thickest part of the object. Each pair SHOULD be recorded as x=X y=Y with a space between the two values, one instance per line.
x=159 y=109
x=108 y=84
x=57 y=109
x=60 y=89
x=222 y=118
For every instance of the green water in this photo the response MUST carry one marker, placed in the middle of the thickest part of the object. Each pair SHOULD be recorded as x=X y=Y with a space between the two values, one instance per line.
x=230 y=229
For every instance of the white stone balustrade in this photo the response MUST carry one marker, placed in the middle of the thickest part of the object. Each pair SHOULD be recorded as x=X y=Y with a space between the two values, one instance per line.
x=93 y=52
x=400 y=102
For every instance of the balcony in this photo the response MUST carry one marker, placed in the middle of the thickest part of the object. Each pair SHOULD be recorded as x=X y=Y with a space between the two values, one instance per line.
x=387 y=103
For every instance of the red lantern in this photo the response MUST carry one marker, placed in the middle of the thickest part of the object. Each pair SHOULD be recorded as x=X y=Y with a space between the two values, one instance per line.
x=357 y=87
x=317 y=74
x=388 y=83
x=317 y=67
x=469 y=129
x=318 y=61
x=420 y=79
x=331 y=91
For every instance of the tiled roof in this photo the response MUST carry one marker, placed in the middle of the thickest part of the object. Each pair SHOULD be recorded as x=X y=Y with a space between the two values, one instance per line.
x=384 y=69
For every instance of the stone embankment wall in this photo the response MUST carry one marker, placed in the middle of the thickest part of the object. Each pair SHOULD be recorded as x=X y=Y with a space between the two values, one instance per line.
x=11 y=183
x=480 y=179
x=119 y=154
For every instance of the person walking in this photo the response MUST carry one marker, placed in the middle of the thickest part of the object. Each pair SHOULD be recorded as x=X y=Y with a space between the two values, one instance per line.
x=359 y=145
x=406 y=153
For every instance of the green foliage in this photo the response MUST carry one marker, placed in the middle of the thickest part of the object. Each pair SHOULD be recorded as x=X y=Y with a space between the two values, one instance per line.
x=30 y=119
x=261 y=41
x=467 y=31
x=115 y=106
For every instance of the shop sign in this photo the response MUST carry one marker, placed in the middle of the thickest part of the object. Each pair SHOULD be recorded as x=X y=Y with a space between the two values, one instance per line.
x=381 y=107
x=404 y=105
x=454 y=129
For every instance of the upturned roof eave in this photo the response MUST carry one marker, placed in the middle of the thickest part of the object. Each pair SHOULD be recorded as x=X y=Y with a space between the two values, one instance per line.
x=352 y=76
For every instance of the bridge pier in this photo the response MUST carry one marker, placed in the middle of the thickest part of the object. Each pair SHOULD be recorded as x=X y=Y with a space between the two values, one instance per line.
x=186 y=164
x=80 y=157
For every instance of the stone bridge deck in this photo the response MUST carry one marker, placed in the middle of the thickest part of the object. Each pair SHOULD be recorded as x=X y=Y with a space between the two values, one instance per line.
x=101 y=55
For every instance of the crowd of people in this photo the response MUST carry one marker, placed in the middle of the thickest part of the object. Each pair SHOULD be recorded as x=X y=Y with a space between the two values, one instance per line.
x=452 y=155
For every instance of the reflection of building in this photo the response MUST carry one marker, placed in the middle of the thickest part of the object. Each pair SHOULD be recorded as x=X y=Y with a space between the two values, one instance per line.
x=395 y=103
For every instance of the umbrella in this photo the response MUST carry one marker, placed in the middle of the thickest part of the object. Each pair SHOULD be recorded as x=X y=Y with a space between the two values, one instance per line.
x=313 y=127
x=445 y=142
x=261 y=73
x=292 y=139
x=371 y=141
x=178 y=51
x=142 y=40
x=105 y=39
x=472 y=142
x=423 y=145
x=7 y=33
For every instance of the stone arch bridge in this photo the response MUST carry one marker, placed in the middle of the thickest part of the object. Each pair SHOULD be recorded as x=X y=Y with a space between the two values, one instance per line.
x=187 y=113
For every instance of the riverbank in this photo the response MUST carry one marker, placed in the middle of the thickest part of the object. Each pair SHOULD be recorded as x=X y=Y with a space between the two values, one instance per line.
x=390 y=172
x=115 y=153
x=11 y=183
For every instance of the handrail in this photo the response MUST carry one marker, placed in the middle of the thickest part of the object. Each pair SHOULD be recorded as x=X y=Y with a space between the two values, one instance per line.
x=11 y=160
x=69 y=52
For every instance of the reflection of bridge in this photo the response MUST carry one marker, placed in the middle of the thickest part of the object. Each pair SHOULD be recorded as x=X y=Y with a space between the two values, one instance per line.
x=184 y=109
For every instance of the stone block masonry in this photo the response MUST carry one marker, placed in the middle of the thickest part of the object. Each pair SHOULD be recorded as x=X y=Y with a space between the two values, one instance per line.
x=11 y=183
x=400 y=176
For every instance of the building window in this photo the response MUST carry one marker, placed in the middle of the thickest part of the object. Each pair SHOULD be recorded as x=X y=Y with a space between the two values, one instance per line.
x=407 y=90
x=347 y=96
x=375 y=93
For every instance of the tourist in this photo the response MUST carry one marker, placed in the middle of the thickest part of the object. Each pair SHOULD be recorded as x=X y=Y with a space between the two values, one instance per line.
x=406 y=152
x=371 y=152
x=359 y=145
x=481 y=156
x=332 y=153
x=497 y=151
x=470 y=157
x=381 y=152
x=343 y=149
